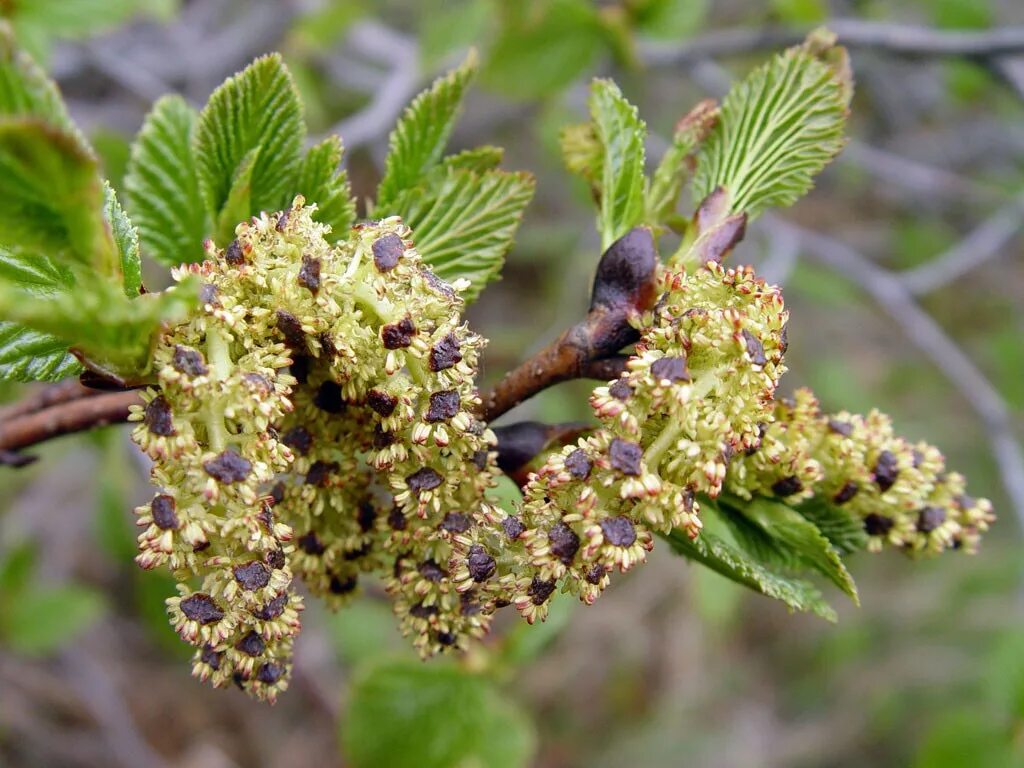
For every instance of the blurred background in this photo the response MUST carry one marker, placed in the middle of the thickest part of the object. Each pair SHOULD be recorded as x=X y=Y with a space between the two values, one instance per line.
x=904 y=275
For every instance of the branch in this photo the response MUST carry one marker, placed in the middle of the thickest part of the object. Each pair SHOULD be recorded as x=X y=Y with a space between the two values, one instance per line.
x=897 y=39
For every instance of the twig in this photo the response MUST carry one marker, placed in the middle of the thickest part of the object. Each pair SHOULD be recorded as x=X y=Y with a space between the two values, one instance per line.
x=985 y=242
x=891 y=293
x=897 y=39
x=44 y=397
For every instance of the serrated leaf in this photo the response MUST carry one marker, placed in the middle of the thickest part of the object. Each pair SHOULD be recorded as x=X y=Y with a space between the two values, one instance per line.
x=418 y=140
x=53 y=196
x=621 y=134
x=126 y=239
x=39 y=621
x=321 y=181
x=464 y=223
x=239 y=200
x=673 y=169
x=795 y=533
x=24 y=87
x=479 y=159
x=257 y=108
x=401 y=715
x=582 y=154
x=778 y=128
x=726 y=559
x=845 y=530
x=161 y=185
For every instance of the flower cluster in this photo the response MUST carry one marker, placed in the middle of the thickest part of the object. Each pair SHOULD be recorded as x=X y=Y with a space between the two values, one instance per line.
x=314 y=418
x=901 y=490
x=695 y=392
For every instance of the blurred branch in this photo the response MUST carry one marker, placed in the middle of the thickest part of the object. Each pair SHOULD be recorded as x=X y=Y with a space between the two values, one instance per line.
x=983 y=243
x=43 y=397
x=893 y=295
x=897 y=39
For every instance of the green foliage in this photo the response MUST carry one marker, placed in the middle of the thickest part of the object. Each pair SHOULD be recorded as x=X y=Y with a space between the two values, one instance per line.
x=778 y=129
x=24 y=88
x=257 y=109
x=673 y=169
x=418 y=141
x=404 y=714
x=162 y=186
x=126 y=241
x=319 y=180
x=844 y=531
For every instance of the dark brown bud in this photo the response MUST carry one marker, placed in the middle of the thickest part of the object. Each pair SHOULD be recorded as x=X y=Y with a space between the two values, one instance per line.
x=201 y=608
x=157 y=417
x=381 y=402
x=398 y=335
x=309 y=273
x=625 y=456
x=540 y=590
x=425 y=479
x=443 y=406
x=618 y=531
x=626 y=272
x=270 y=673
x=387 y=251
x=445 y=353
x=164 y=515
x=188 y=361
x=252 y=644
x=480 y=564
x=455 y=522
x=228 y=467
x=513 y=527
x=211 y=657
x=564 y=542
x=578 y=464
x=595 y=573
x=254 y=575
x=290 y=327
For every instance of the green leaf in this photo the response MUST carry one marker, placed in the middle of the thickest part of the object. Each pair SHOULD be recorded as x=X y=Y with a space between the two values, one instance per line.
x=16 y=569
x=39 y=621
x=727 y=560
x=790 y=530
x=479 y=159
x=673 y=169
x=465 y=222
x=407 y=714
x=239 y=201
x=843 y=529
x=320 y=181
x=542 y=46
x=53 y=196
x=24 y=88
x=583 y=154
x=621 y=133
x=422 y=132
x=161 y=185
x=257 y=108
x=126 y=239
x=778 y=128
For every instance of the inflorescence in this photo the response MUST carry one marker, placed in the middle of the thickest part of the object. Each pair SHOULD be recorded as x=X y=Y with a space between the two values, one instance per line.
x=319 y=418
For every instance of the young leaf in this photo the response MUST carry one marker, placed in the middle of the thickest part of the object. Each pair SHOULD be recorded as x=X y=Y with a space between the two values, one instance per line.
x=778 y=128
x=320 y=181
x=53 y=196
x=126 y=239
x=401 y=713
x=796 y=533
x=479 y=159
x=24 y=87
x=673 y=169
x=725 y=559
x=162 y=187
x=843 y=529
x=239 y=200
x=621 y=134
x=419 y=139
x=257 y=108
x=582 y=154
x=465 y=222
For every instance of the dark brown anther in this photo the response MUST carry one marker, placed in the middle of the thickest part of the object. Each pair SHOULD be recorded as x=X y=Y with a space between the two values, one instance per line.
x=595 y=573
x=437 y=284
x=300 y=368
x=626 y=273
x=396 y=520
x=381 y=402
x=327 y=345
x=201 y=608
x=290 y=327
x=328 y=398
x=425 y=479
x=620 y=389
x=164 y=516
x=277 y=493
x=208 y=294
x=309 y=273
x=930 y=518
x=540 y=590
x=381 y=438
x=352 y=555
x=670 y=369
x=844 y=494
x=513 y=527
x=480 y=564
x=273 y=609
x=837 y=427
x=366 y=516
x=519 y=443
x=887 y=469
x=421 y=611
x=251 y=645
x=455 y=522
x=784 y=339
x=755 y=349
x=480 y=459
x=445 y=353
x=443 y=406
x=310 y=544
x=298 y=439
x=157 y=417
x=787 y=486
x=339 y=586
x=618 y=531
x=447 y=639
x=878 y=525
x=211 y=657
x=319 y=473
x=270 y=673
x=387 y=251
x=275 y=558
x=282 y=220
x=257 y=382
x=188 y=361
x=468 y=606
x=233 y=254
x=398 y=335
x=228 y=467
x=625 y=456
x=578 y=464
x=254 y=575
x=431 y=571
x=201 y=546
x=564 y=542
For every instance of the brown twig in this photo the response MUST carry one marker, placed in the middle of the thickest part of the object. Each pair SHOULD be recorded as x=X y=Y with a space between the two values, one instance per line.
x=44 y=397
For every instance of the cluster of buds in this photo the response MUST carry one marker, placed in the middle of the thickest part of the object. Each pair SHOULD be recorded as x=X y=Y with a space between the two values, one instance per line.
x=901 y=490
x=314 y=418
x=694 y=394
